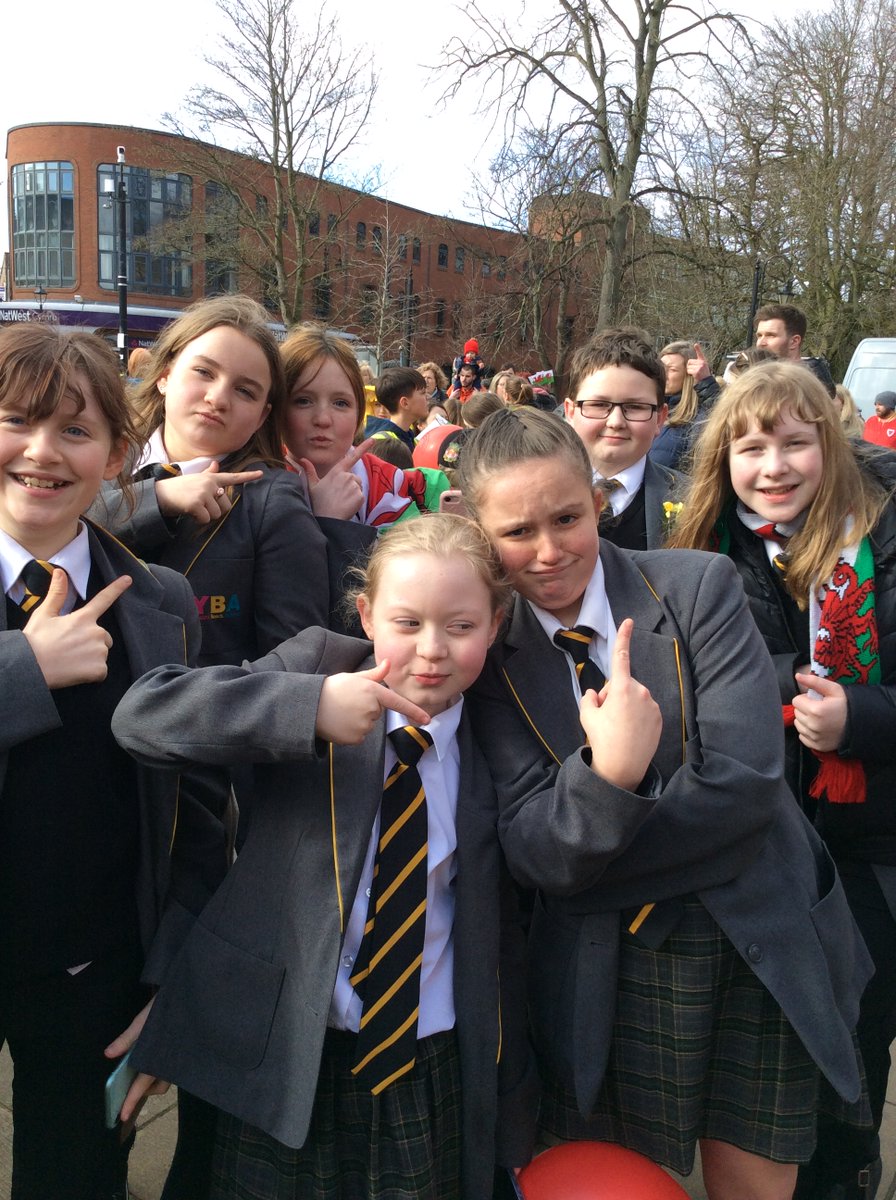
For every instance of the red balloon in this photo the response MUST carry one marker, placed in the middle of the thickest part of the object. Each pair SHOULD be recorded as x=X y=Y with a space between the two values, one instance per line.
x=426 y=452
x=596 y=1171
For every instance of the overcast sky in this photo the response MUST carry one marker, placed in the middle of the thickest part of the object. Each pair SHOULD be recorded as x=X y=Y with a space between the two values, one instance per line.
x=128 y=64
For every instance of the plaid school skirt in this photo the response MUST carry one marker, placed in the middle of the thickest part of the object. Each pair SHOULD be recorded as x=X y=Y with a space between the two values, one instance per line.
x=400 y=1145
x=700 y=1049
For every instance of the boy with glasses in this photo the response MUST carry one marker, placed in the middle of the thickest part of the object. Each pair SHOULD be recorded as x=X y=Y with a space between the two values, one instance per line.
x=617 y=406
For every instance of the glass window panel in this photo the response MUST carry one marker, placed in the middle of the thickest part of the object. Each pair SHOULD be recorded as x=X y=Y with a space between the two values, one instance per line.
x=67 y=213
x=52 y=181
x=40 y=211
x=68 y=181
x=52 y=211
x=53 y=263
x=68 y=266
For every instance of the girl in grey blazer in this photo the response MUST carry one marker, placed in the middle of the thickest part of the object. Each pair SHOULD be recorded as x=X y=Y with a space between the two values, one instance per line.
x=694 y=968
x=262 y=1012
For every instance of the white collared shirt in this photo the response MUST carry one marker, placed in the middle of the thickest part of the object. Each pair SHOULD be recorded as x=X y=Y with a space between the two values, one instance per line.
x=629 y=480
x=154 y=452
x=439 y=769
x=595 y=612
x=74 y=558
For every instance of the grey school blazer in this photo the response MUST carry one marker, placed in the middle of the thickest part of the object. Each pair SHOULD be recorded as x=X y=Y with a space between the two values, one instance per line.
x=241 y=1017
x=714 y=817
x=182 y=852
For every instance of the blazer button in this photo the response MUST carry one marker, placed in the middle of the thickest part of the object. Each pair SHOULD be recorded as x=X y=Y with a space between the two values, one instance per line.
x=754 y=953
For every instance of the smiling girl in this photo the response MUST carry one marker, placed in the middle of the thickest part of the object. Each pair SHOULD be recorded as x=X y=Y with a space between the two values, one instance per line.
x=810 y=523
x=102 y=862
x=213 y=499
x=358 y=1017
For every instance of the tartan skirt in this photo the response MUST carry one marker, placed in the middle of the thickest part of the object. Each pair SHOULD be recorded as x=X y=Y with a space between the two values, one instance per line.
x=400 y=1145
x=700 y=1049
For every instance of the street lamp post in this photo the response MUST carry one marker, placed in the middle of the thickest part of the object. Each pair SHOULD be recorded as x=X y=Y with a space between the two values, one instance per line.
x=121 y=200
x=40 y=295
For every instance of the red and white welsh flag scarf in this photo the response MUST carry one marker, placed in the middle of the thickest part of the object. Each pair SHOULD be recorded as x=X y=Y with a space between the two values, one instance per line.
x=843 y=637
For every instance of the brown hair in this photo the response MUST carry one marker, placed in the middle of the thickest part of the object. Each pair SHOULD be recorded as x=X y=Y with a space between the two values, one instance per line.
x=625 y=346
x=38 y=369
x=310 y=345
x=513 y=436
x=760 y=397
x=442 y=535
x=793 y=318
x=688 y=404
x=247 y=317
x=478 y=407
x=518 y=391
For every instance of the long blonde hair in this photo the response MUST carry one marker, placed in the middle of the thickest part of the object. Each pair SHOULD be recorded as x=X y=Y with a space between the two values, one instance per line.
x=759 y=397
x=685 y=410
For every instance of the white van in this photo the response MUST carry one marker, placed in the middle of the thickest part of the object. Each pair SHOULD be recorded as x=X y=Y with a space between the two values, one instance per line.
x=871 y=369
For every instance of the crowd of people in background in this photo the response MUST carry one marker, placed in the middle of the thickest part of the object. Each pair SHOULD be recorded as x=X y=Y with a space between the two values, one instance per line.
x=424 y=769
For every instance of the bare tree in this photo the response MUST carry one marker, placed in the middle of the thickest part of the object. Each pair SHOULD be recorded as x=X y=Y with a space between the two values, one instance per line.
x=612 y=68
x=290 y=99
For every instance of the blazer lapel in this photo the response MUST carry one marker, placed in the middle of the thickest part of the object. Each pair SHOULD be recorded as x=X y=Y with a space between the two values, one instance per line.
x=656 y=656
x=540 y=683
x=151 y=636
x=356 y=785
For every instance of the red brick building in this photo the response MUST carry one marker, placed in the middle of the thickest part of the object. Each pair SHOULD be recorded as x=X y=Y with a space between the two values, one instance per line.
x=404 y=280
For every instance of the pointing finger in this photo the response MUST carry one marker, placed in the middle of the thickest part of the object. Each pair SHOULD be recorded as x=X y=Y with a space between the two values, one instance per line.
x=698 y=350
x=106 y=598
x=231 y=478
x=407 y=708
x=622 y=650
x=355 y=453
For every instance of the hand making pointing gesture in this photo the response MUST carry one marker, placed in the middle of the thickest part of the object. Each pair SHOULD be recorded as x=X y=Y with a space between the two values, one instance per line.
x=623 y=722
x=202 y=496
x=74 y=648
x=351 y=704
x=339 y=493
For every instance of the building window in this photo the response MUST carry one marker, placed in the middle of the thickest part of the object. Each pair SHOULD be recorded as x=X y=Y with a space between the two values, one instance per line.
x=377 y=235
x=159 y=238
x=443 y=255
x=403 y=247
x=459 y=256
x=368 y=305
x=43 y=224
x=314 y=224
x=322 y=296
x=502 y=266
x=221 y=238
x=360 y=235
x=261 y=206
x=486 y=268
x=440 y=318
x=332 y=224
x=415 y=251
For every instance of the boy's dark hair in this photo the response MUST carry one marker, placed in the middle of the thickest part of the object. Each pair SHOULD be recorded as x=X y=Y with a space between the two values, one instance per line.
x=396 y=382
x=794 y=318
x=625 y=346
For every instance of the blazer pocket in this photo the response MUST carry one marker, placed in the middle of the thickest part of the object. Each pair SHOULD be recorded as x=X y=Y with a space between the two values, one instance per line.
x=223 y=998
x=839 y=937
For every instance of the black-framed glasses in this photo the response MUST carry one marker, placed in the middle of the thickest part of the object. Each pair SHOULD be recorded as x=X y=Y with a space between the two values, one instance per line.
x=632 y=410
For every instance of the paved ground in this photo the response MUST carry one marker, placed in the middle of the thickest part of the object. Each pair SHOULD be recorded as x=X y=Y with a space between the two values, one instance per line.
x=158 y=1129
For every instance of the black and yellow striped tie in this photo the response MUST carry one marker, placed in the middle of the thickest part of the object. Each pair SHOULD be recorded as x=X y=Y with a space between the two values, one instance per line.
x=36 y=578
x=575 y=642
x=387 y=969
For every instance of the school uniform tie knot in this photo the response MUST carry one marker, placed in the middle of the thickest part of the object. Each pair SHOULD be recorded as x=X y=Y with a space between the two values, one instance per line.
x=157 y=471
x=388 y=965
x=608 y=486
x=36 y=577
x=410 y=743
x=576 y=643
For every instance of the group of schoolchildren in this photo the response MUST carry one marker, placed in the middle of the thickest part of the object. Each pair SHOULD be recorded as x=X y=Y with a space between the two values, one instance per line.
x=531 y=860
